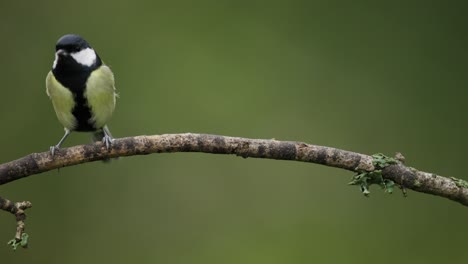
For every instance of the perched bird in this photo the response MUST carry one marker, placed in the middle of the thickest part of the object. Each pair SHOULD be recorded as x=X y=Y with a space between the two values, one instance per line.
x=81 y=89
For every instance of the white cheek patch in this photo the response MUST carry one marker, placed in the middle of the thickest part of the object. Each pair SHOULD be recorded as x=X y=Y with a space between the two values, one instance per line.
x=85 y=57
x=55 y=61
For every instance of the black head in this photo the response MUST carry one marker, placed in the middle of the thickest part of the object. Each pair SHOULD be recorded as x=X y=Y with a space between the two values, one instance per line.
x=71 y=43
x=74 y=54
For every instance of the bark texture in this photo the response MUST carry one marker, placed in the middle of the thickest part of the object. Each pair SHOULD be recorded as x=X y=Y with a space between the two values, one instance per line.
x=410 y=178
x=17 y=209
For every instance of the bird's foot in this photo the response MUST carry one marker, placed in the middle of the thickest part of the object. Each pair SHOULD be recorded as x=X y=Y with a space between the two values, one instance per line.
x=53 y=149
x=108 y=141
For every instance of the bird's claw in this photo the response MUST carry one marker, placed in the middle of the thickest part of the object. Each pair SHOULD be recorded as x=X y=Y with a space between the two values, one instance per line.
x=108 y=141
x=53 y=149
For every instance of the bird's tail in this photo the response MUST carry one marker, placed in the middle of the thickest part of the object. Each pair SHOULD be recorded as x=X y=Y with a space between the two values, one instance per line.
x=98 y=136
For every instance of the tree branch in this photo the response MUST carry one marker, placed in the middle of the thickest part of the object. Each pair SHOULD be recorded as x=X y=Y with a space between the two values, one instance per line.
x=17 y=209
x=451 y=188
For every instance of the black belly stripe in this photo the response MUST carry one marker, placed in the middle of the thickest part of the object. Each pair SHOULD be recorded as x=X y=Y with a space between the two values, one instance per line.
x=82 y=113
x=74 y=76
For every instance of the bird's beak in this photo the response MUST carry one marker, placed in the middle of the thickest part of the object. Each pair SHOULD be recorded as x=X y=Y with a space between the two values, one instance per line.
x=61 y=52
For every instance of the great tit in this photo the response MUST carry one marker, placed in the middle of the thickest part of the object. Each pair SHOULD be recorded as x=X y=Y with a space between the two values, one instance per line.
x=81 y=89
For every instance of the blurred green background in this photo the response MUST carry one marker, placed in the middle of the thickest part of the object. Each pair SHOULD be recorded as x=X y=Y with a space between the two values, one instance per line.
x=359 y=75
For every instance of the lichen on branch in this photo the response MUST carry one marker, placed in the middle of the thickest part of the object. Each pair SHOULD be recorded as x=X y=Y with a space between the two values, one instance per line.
x=17 y=209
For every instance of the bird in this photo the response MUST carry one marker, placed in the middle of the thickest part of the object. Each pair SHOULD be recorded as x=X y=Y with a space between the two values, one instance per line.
x=82 y=90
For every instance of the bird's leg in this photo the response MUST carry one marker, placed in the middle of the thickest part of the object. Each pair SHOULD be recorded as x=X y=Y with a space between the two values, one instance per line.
x=107 y=139
x=56 y=147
